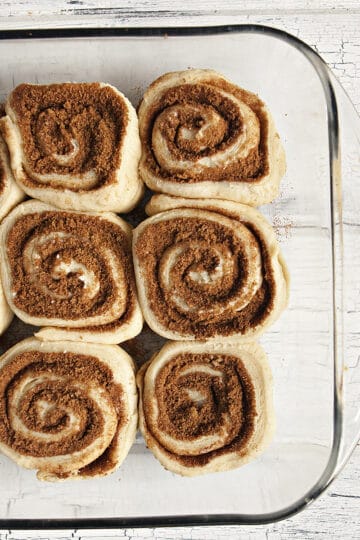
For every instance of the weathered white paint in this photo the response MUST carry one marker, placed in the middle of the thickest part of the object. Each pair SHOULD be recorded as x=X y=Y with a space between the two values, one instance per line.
x=34 y=7
x=333 y=28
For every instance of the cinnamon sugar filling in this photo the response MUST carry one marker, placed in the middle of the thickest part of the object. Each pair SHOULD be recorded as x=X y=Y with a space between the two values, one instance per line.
x=210 y=301
x=181 y=111
x=69 y=276
x=72 y=128
x=193 y=403
x=59 y=383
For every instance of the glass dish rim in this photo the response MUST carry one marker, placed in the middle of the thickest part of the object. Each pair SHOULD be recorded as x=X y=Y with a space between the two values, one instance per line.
x=333 y=466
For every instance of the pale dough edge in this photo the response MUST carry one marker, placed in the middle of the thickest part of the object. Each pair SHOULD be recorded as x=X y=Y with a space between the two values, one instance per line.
x=12 y=194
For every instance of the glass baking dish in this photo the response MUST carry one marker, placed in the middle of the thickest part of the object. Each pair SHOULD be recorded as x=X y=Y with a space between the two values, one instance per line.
x=314 y=349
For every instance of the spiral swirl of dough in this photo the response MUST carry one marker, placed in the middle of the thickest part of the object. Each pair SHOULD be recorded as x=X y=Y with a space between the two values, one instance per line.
x=67 y=269
x=204 y=136
x=75 y=145
x=196 y=135
x=206 y=270
x=205 y=280
x=65 y=412
x=205 y=407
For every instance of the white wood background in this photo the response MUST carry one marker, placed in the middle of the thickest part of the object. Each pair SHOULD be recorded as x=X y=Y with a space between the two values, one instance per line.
x=333 y=28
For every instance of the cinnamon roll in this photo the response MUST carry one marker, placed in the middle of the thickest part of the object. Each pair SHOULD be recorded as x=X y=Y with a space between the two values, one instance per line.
x=206 y=407
x=203 y=136
x=66 y=409
x=10 y=193
x=75 y=145
x=71 y=272
x=207 y=269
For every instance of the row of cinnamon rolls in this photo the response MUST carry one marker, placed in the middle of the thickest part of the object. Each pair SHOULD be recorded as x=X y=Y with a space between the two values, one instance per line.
x=81 y=146
x=195 y=269
x=70 y=410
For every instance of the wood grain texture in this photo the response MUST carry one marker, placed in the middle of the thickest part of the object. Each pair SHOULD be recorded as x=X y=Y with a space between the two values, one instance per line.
x=333 y=29
x=56 y=7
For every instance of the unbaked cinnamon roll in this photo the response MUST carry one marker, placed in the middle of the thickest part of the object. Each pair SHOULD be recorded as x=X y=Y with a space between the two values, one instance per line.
x=70 y=272
x=203 y=136
x=10 y=193
x=206 y=407
x=207 y=269
x=66 y=409
x=75 y=145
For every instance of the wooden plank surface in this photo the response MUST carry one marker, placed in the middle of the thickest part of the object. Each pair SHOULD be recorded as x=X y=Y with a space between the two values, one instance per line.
x=55 y=7
x=333 y=28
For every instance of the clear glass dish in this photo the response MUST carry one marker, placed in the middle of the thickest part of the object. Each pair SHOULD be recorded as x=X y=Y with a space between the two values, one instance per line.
x=313 y=348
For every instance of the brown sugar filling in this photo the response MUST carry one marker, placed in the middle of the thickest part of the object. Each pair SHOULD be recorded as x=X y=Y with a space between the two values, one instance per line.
x=59 y=378
x=50 y=117
x=64 y=297
x=184 y=418
x=201 y=97
x=151 y=245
